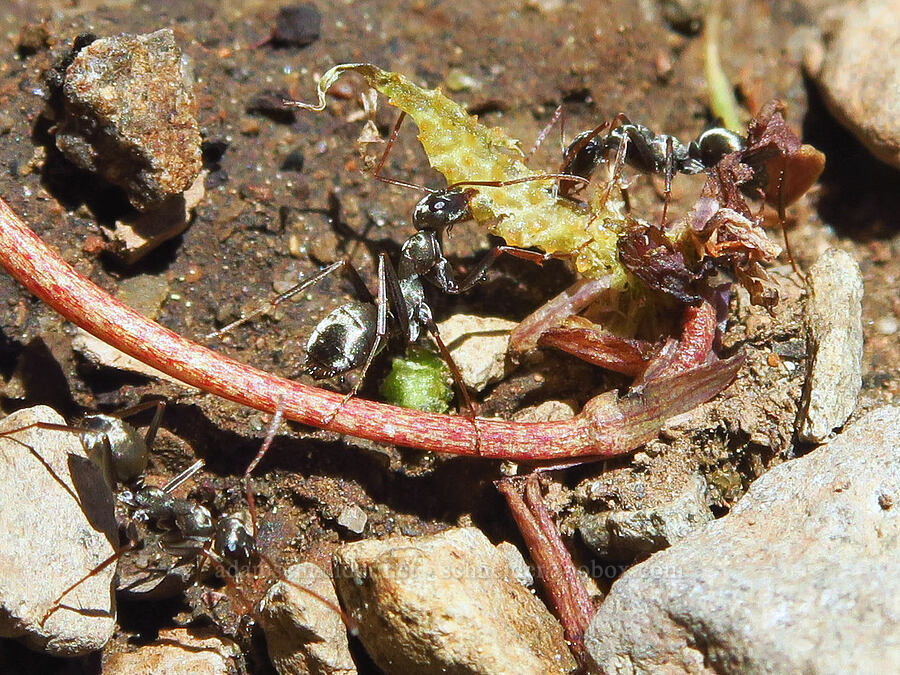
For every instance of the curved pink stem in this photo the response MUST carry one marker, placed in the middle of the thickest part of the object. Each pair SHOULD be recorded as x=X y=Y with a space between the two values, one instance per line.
x=606 y=427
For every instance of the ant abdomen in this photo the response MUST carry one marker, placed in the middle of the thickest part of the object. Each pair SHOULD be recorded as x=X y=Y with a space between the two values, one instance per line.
x=108 y=435
x=342 y=340
x=713 y=144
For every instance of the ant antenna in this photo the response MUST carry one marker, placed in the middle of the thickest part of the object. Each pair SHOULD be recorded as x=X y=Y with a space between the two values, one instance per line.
x=557 y=114
x=277 y=300
x=390 y=144
x=523 y=179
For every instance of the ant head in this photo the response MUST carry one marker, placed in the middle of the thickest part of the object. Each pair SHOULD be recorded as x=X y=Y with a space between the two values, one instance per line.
x=441 y=210
x=713 y=144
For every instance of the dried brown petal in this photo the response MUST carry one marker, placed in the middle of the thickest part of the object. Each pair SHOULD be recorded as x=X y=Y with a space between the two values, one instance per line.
x=647 y=253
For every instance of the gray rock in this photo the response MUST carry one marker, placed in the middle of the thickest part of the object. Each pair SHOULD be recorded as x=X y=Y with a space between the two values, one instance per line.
x=835 y=345
x=304 y=635
x=175 y=652
x=57 y=524
x=129 y=114
x=446 y=603
x=802 y=576
x=630 y=534
x=855 y=67
x=478 y=345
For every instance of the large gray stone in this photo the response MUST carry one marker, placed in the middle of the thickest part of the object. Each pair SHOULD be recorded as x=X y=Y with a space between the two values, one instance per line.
x=802 y=576
x=855 y=66
x=57 y=524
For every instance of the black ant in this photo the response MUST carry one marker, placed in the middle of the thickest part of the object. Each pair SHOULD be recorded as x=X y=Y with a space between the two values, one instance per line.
x=645 y=150
x=354 y=333
x=122 y=454
x=187 y=529
x=663 y=154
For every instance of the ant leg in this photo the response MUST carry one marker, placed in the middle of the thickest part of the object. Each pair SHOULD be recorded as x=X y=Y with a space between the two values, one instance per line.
x=263 y=449
x=670 y=172
x=478 y=272
x=557 y=114
x=183 y=477
x=390 y=144
x=621 y=155
x=278 y=299
x=523 y=179
x=56 y=604
x=454 y=369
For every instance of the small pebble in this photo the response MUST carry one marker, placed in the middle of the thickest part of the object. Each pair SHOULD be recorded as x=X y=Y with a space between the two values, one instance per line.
x=886 y=325
x=129 y=114
x=353 y=518
x=458 y=80
x=297 y=26
x=835 y=335
x=478 y=345
x=134 y=237
x=627 y=534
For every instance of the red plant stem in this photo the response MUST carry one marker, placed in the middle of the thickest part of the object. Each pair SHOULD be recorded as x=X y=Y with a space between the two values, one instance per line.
x=605 y=427
x=565 y=590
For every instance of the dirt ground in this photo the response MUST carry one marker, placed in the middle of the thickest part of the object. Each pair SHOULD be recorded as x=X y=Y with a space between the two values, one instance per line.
x=259 y=227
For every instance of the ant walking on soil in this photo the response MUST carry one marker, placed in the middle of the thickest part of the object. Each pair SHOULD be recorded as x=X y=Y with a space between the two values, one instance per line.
x=186 y=529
